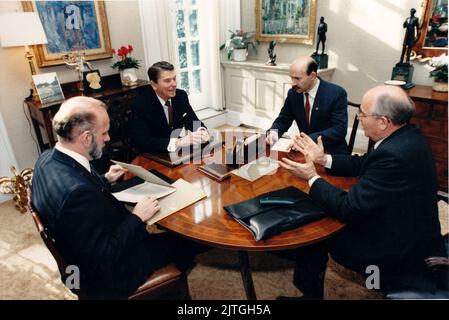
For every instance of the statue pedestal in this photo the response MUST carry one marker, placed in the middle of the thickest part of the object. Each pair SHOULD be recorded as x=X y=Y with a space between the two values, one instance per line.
x=321 y=59
x=403 y=72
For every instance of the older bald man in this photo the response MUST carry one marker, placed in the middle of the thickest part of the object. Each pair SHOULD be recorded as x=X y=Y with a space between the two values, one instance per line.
x=92 y=230
x=320 y=108
x=391 y=213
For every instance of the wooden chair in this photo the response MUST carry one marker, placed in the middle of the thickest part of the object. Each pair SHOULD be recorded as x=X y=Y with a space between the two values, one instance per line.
x=439 y=267
x=163 y=284
x=355 y=125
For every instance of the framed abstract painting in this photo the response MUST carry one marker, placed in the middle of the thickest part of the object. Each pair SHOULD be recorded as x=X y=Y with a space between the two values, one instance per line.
x=71 y=26
x=286 y=21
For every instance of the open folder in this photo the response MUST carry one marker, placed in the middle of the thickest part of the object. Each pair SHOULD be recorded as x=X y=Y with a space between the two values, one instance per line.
x=182 y=193
x=151 y=185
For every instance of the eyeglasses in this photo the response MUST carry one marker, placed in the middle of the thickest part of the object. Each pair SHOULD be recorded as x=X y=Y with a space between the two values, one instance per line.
x=360 y=115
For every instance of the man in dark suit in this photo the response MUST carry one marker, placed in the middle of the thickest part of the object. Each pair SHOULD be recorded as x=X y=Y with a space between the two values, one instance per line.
x=391 y=213
x=92 y=230
x=318 y=107
x=160 y=113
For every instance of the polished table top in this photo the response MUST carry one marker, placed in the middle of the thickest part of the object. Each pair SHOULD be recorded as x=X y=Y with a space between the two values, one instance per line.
x=206 y=221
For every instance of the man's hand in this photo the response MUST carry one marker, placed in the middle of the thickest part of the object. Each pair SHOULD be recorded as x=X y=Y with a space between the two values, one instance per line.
x=115 y=172
x=189 y=139
x=272 y=137
x=146 y=208
x=205 y=136
x=303 y=170
x=312 y=151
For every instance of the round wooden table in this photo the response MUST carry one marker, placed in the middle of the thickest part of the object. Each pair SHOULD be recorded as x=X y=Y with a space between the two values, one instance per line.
x=207 y=222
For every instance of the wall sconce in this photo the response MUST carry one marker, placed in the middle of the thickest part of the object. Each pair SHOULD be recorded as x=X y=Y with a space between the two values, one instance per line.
x=22 y=29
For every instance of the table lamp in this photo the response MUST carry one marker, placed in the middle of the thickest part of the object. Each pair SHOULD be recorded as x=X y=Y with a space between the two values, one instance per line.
x=22 y=29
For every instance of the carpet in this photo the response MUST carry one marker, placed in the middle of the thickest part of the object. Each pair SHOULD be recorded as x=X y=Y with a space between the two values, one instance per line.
x=28 y=271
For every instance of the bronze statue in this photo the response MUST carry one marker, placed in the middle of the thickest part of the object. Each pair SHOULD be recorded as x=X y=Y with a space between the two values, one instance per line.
x=322 y=29
x=411 y=24
x=271 y=54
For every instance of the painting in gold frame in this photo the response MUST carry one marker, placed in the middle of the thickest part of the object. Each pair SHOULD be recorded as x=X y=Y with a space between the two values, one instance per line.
x=71 y=26
x=286 y=21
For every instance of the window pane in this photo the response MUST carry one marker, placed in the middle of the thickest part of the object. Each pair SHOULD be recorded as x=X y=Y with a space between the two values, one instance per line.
x=193 y=2
x=180 y=24
x=185 y=81
x=182 y=51
x=197 y=81
x=195 y=48
x=193 y=19
x=179 y=2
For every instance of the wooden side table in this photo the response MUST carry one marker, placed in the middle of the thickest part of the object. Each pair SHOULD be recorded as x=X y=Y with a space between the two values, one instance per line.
x=431 y=117
x=117 y=97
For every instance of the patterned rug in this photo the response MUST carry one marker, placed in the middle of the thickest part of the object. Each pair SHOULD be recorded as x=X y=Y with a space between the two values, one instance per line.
x=28 y=271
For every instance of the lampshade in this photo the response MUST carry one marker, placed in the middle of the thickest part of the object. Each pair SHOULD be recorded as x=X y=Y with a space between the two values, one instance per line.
x=21 y=29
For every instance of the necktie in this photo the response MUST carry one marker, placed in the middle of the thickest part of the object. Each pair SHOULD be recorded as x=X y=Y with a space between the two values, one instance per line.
x=170 y=113
x=307 y=107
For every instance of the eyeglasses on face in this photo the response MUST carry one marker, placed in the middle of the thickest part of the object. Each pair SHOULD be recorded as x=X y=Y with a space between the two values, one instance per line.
x=361 y=114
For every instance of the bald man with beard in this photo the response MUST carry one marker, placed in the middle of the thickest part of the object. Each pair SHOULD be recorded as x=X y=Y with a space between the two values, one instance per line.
x=92 y=230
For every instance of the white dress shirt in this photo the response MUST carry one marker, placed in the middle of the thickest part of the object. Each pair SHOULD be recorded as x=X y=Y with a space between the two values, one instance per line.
x=82 y=160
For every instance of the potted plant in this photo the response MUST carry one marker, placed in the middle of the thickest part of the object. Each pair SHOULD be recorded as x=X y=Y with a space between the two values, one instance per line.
x=439 y=73
x=237 y=45
x=126 y=65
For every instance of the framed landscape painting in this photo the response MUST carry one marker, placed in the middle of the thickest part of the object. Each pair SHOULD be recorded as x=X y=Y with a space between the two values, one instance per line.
x=48 y=87
x=71 y=26
x=286 y=21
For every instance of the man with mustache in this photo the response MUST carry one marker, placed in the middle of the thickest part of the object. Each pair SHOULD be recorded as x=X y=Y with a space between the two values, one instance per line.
x=318 y=107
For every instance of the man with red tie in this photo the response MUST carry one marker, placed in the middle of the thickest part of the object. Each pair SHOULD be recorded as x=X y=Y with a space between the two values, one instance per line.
x=318 y=107
x=161 y=111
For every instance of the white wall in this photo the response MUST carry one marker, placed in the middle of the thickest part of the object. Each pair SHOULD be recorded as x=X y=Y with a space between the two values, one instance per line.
x=364 y=41
x=15 y=76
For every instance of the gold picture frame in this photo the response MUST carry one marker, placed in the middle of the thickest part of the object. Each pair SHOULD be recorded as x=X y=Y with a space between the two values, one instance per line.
x=285 y=22
x=70 y=27
x=429 y=35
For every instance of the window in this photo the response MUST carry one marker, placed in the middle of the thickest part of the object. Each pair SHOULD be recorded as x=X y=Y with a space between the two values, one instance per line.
x=186 y=33
x=189 y=49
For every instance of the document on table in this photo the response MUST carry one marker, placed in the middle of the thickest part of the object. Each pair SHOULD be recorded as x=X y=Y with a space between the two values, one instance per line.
x=282 y=145
x=257 y=168
x=152 y=185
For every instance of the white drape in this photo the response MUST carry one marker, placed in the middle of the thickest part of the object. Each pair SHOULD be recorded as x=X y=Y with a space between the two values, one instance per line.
x=7 y=158
x=222 y=15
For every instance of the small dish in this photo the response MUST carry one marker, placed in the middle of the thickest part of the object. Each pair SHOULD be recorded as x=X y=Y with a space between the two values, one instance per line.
x=395 y=82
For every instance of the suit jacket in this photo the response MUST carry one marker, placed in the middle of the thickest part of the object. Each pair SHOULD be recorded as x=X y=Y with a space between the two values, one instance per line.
x=329 y=116
x=391 y=213
x=92 y=230
x=150 y=130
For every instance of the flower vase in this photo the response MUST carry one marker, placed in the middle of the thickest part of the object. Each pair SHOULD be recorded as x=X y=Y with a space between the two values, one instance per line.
x=439 y=86
x=128 y=77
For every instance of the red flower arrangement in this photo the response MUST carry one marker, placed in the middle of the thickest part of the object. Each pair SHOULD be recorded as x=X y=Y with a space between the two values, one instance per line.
x=125 y=61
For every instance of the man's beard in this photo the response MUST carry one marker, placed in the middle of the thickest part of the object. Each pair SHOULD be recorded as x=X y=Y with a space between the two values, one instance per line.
x=94 y=151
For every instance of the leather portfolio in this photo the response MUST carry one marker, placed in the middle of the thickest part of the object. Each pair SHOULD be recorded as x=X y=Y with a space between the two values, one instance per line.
x=266 y=220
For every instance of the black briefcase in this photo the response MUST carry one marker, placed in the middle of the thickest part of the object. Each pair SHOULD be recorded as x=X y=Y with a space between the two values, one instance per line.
x=266 y=220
